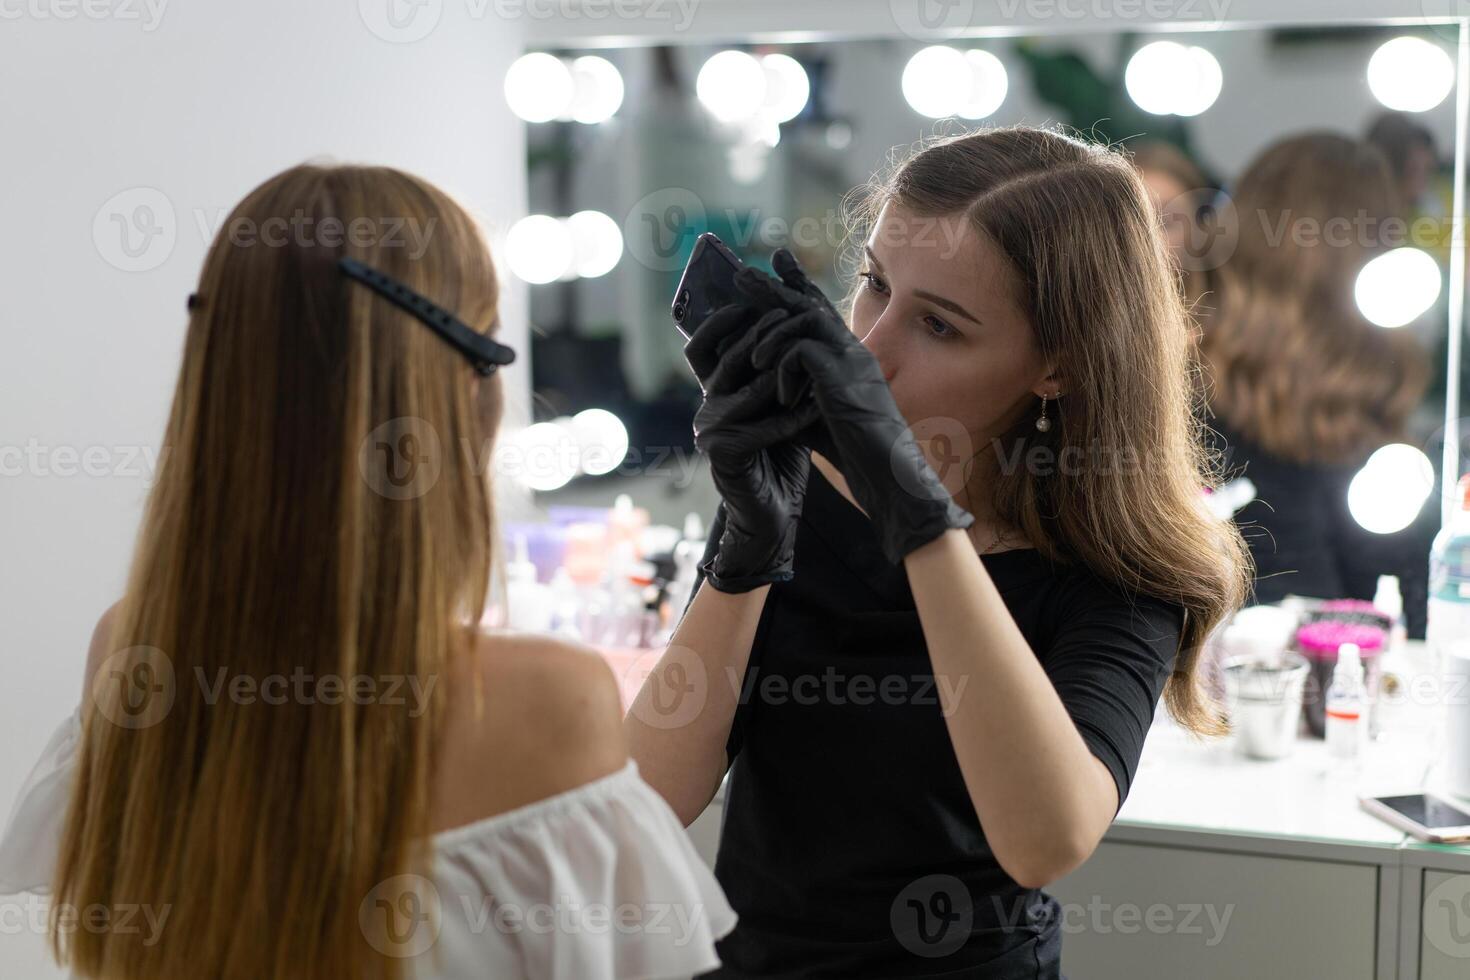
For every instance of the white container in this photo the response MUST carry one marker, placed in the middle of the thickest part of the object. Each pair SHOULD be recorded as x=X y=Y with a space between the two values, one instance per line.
x=1455 y=691
x=528 y=602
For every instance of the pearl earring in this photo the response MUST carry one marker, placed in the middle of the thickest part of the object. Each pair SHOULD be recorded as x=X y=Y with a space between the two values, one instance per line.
x=1043 y=424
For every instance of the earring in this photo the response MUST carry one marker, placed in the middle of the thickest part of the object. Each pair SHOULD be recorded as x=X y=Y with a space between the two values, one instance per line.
x=1043 y=424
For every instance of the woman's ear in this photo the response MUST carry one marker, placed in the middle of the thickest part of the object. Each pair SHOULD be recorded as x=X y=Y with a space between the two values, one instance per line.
x=1052 y=384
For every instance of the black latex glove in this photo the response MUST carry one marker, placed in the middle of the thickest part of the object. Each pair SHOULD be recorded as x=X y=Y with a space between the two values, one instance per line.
x=884 y=466
x=745 y=432
x=795 y=292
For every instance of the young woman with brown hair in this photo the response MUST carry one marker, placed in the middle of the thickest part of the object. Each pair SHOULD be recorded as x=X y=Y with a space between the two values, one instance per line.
x=929 y=651
x=297 y=750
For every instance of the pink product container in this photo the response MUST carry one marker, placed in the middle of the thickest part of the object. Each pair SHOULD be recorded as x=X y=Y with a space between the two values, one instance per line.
x=1352 y=611
x=1319 y=643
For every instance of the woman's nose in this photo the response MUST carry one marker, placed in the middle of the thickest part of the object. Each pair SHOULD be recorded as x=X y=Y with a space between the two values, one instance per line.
x=879 y=342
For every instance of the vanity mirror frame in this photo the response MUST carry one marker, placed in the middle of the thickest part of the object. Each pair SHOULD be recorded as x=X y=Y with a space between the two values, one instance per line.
x=589 y=24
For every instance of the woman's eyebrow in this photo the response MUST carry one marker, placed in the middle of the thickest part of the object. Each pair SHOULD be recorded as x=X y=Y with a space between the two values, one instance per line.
x=931 y=297
x=948 y=305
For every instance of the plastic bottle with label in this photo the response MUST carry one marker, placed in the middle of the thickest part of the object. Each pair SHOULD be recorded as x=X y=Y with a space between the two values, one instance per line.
x=1346 y=703
x=1447 y=635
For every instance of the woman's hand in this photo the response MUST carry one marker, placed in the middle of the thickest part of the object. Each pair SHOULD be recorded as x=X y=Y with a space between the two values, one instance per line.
x=877 y=453
x=746 y=434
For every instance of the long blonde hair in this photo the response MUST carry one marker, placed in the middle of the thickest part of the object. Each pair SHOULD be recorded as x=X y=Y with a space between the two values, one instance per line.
x=275 y=545
x=1075 y=221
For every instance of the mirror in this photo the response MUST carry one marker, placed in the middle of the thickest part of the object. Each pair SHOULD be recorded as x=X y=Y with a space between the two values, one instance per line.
x=635 y=150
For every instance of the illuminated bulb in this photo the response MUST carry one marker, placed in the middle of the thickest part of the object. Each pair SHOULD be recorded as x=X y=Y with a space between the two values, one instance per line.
x=988 y=85
x=538 y=248
x=602 y=438
x=1168 y=78
x=547 y=455
x=597 y=243
x=1209 y=80
x=1410 y=74
x=1397 y=287
x=597 y=90
x=787 y=87
x=1387 y=493
x=937 y=81
x=538 y=87
x=731 y=85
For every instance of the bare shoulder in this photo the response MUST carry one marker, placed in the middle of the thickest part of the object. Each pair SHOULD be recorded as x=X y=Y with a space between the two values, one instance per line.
x=527 y=716
x=99 y=647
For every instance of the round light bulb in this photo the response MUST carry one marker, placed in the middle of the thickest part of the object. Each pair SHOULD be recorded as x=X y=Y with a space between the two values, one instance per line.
x=1397 y=287
x=538 y=248
x=731 y=85
x=538 y=87
x=597 y=89
x=1410 y=74
x=937 y=81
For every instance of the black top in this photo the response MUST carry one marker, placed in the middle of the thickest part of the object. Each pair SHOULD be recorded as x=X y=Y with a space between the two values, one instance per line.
x=850 y=847
x=1304 y=539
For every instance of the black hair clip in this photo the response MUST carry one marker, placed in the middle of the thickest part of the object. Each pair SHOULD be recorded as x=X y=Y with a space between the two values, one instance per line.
x=194 y=302
x=481 y=351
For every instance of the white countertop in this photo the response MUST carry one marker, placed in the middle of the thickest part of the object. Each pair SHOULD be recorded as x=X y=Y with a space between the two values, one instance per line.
x=1187 y=784
x=1209 y=787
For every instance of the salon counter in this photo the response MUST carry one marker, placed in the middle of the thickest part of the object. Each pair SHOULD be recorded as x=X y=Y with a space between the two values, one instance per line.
x=1220 y=866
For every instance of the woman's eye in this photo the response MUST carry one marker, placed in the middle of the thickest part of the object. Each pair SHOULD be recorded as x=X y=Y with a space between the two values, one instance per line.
x=939 y=328
x=872 y=282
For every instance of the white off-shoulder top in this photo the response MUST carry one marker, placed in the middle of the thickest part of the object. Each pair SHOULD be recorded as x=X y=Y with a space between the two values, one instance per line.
x=600 y=881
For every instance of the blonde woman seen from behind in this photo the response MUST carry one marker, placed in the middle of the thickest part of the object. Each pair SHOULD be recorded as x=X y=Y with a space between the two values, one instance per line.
x=296 y=747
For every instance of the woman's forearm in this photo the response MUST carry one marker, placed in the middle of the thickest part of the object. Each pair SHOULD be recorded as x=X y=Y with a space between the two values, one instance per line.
x=1043 y=798
x=680 y=720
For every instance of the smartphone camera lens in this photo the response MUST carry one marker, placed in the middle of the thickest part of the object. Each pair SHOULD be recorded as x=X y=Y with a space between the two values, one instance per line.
x=681 y=305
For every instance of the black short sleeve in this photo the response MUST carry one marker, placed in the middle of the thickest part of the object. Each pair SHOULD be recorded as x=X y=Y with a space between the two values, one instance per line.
x=1108 y=660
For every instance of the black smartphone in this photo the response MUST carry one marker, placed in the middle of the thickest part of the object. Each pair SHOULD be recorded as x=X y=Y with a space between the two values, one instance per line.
x=707 y=284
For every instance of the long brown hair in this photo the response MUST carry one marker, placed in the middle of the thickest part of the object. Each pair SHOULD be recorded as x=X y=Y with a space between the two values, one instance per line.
x=1075 y=220
x=1294 y=366
x=273 y=547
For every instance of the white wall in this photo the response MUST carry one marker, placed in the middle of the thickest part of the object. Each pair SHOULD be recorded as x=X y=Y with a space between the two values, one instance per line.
x=193 y=107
